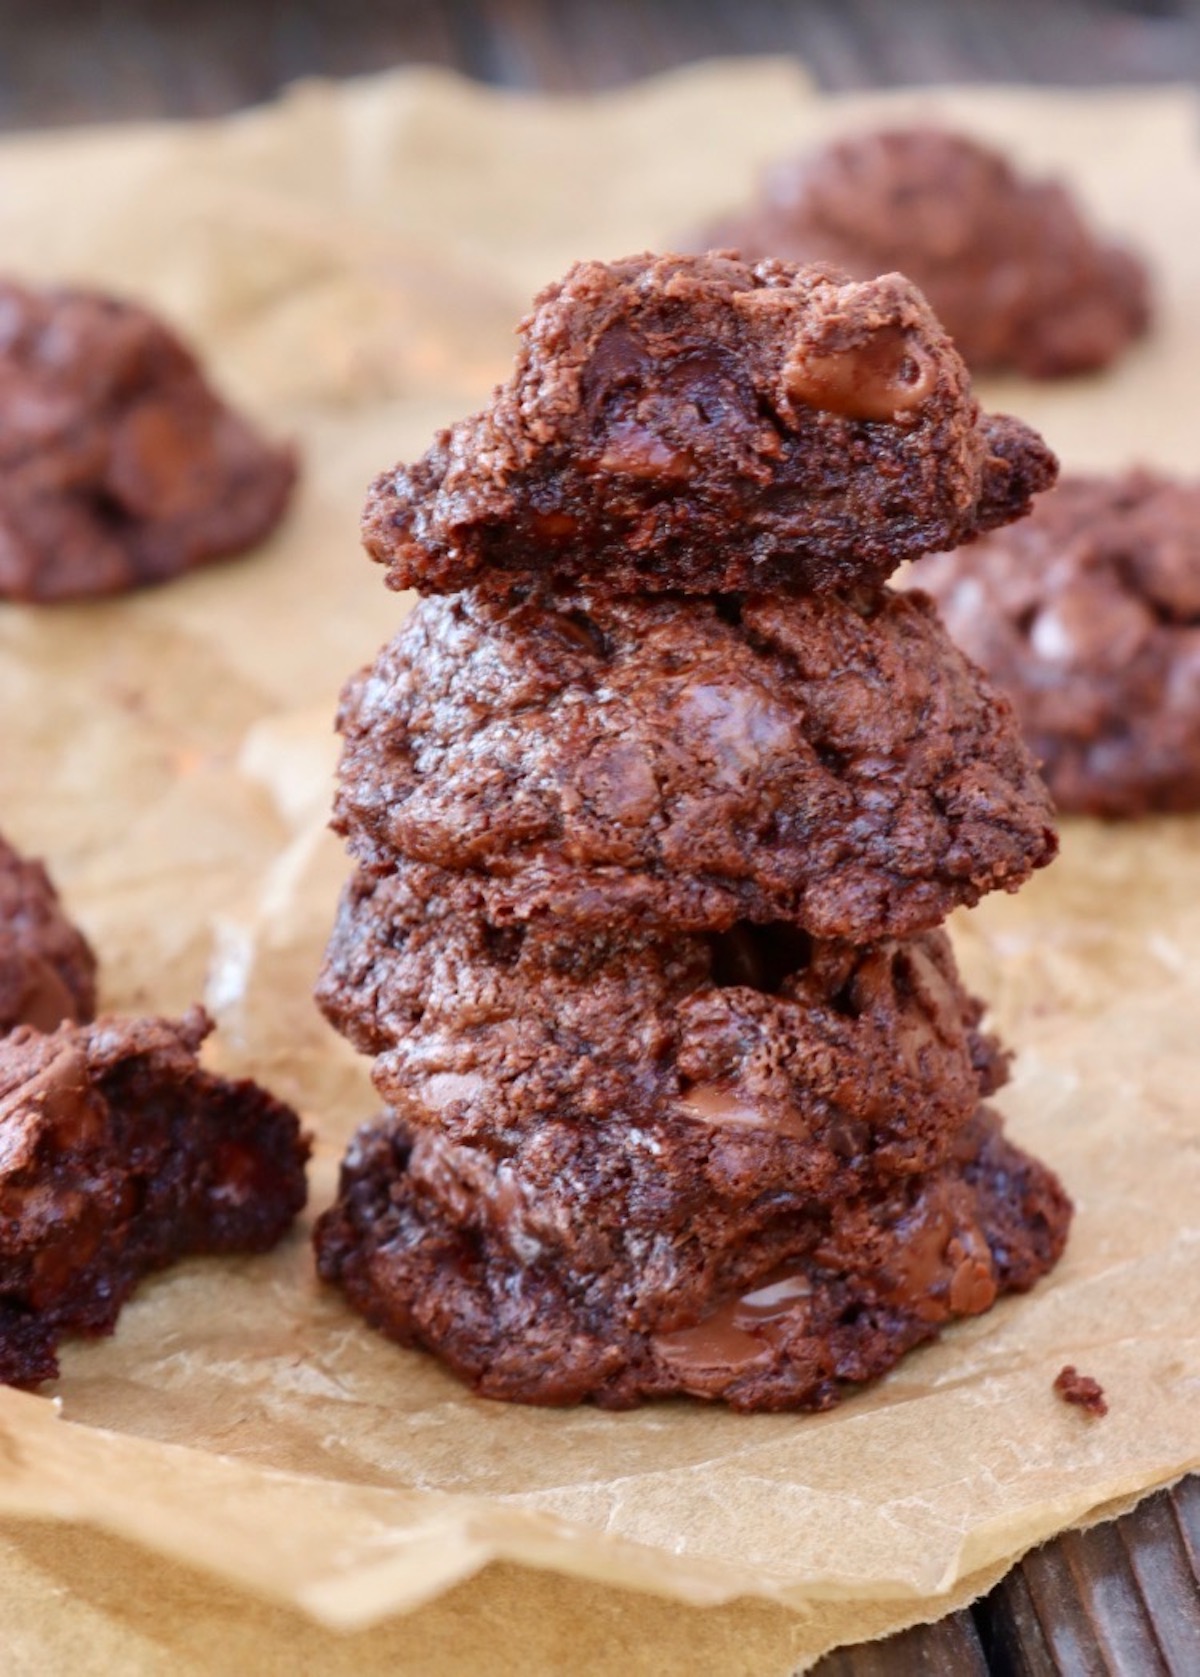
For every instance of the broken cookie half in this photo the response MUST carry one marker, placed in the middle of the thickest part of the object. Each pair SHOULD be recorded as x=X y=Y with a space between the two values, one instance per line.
x=120 y=1153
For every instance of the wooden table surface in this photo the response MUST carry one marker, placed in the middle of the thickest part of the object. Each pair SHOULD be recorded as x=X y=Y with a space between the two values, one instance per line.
x=1125 y=1597
x=80 y=60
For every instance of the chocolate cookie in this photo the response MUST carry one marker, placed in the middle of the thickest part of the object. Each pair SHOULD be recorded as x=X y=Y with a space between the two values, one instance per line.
x=119 y=1154
x=1008 y=264
x=819 y=1299
x=47 y=968
x=835 y=763
x=119 y=467
x=698 y=424
x=1088 y=616
x=746 y=1058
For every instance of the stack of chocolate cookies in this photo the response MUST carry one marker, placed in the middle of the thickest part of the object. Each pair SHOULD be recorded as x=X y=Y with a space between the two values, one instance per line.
x=658 y=800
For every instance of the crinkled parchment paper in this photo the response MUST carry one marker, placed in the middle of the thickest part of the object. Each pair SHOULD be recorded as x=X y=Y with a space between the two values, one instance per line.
x=353 y=261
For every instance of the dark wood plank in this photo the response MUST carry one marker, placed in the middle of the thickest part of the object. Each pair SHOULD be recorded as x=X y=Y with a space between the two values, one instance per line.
x=1090 y=1607
x=1014 y=1642
x=64 y=61
x=950 y=1648
x=1121 y=1598
x=1164 y=1568
x=1185 y=1504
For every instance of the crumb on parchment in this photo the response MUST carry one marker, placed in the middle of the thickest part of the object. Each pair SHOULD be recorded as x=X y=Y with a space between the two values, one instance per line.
x=1082 y=1390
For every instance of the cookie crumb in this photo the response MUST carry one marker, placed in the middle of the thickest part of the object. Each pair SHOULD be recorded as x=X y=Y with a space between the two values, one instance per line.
x=1081 y=1389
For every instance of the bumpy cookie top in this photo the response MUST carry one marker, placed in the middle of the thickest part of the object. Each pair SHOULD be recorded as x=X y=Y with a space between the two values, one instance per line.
x=119 y=466
x=835 y=764
x=1013 y=271
x=35 y=1064
x=699 y=424
x=47 y=969
x=1088 y=616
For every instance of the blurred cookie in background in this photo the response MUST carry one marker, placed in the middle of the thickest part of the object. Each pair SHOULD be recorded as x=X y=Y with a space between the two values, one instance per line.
x=1008 y=262
x=1088 y=615
x=119 y=466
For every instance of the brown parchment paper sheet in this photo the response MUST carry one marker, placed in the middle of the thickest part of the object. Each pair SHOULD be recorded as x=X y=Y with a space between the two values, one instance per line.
x=353 y=261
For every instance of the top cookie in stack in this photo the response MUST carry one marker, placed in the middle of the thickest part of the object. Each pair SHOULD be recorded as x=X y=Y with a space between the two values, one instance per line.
x=702 y=425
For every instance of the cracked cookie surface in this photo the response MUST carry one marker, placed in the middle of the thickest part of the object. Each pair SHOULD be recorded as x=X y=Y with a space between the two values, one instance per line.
x=700 y=424
x=834 y=763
